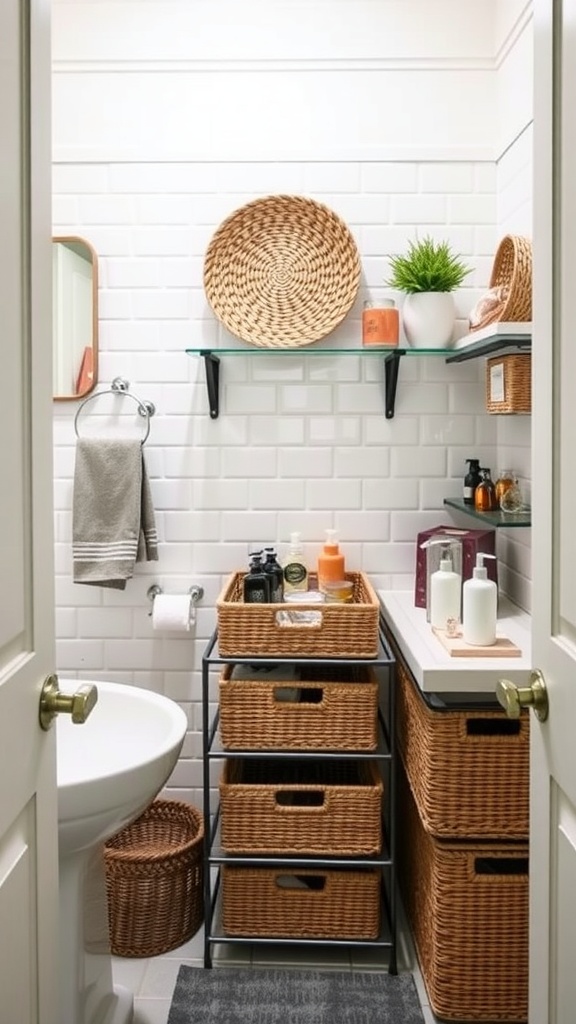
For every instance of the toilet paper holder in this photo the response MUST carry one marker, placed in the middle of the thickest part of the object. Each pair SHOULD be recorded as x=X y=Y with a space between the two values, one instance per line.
x=196 y=593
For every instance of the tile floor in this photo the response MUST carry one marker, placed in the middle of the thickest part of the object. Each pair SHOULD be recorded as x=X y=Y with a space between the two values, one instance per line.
x=153 y=980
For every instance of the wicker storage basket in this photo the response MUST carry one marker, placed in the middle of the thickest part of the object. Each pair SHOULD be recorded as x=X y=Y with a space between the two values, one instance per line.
x=468 y=769
x=467 y=906
x=330 y=708
x=512 y=273
x=270 y=630
x=154 y=880
x=316 y=904
x=282 y=271
x=289 y=806
x=509 y=383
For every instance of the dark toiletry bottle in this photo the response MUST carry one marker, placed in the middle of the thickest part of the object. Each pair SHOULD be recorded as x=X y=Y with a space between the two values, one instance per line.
x=256 y=582
x=485 y=493
x=471 y=480
x=276 y=574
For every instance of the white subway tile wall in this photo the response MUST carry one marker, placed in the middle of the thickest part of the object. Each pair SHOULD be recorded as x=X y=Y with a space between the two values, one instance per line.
x=301 y=443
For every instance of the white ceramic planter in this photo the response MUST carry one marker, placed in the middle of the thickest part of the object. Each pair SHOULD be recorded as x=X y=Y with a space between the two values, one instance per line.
x=428 y=319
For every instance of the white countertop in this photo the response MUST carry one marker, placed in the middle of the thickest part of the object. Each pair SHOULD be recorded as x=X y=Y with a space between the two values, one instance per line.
x=432 y=666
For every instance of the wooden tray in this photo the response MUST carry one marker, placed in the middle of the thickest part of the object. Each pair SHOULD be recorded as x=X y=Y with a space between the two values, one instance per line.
x=457 y=648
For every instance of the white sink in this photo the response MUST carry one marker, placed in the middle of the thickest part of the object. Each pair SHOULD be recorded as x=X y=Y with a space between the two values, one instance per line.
x=109 y=768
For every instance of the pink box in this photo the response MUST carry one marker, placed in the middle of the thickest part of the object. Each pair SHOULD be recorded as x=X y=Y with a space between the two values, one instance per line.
x=472 y=542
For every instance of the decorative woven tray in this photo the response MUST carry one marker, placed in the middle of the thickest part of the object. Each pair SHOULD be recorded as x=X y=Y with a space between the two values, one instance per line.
x=321 y=903
x=294 y=807
x=467 y=907
x=266 y=630
x=154 y=880
x=330 y=708
x=282 y=271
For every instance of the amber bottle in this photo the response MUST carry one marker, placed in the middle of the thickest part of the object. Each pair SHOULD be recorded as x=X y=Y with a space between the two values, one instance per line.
x=485 y=493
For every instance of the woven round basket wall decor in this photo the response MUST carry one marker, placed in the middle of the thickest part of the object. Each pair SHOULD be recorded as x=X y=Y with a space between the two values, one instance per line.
x=282 y=271
x=511 y=279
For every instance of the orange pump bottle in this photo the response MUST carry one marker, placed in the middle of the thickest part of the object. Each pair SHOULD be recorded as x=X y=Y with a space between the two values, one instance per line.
x=330 y=561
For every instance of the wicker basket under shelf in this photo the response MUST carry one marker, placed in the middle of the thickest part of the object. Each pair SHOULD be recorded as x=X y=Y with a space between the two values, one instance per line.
x=509 y=383
x=330 y=708
x=154 y=880
x=263 y=630
x=512 y=273
x=468 y=769
x=284 y=902
x=301 y=807
x=467 y=907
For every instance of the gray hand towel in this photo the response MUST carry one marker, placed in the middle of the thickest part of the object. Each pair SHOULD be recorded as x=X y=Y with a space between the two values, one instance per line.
x=113 y=523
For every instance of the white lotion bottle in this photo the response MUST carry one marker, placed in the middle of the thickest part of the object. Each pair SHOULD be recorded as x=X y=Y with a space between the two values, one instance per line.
x=445 y=594
x=479 y=606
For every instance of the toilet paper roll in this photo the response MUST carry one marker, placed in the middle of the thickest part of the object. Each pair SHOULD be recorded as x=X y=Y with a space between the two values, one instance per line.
x=173 y=613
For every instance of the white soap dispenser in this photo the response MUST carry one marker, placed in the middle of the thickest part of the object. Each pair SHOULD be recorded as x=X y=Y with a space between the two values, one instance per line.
x=479 y=606
x=445 y=592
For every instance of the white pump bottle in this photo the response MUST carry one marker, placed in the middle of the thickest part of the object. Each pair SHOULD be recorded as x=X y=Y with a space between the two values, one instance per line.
x=479 y=606
x=445 y=592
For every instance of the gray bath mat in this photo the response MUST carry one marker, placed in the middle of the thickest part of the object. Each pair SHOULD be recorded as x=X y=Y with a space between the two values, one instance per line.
x=260 y=996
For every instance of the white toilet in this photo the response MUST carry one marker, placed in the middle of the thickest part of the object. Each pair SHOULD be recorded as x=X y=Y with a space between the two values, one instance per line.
x=110 y=768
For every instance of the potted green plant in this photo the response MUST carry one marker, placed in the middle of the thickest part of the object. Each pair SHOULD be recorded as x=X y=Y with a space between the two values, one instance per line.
x=429 y=272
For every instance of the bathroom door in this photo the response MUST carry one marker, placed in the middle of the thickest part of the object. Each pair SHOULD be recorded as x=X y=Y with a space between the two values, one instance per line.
x=28 y=816
x=553 y=742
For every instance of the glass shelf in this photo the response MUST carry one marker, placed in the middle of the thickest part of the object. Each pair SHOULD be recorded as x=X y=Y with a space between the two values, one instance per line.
x=486 y=343
x=496 y=519
x=391 y=356
x=315 y=349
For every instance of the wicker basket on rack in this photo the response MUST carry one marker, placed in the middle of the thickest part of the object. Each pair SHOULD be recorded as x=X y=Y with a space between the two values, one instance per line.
x=322 y=903
x=274 y=630
x=282 y=271
x=512 y=278
x=295 y=807
x=154 y=880
x=332 y=707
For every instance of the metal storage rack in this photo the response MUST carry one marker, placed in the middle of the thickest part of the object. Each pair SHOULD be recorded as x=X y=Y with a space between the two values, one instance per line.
x=215 y=857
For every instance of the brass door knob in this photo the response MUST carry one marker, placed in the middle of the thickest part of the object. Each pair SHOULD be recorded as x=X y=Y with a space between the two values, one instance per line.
x=513 y=698
x=53 y=702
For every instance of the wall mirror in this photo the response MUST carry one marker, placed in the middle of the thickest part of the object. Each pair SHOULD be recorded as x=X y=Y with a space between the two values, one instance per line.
x=75 y=317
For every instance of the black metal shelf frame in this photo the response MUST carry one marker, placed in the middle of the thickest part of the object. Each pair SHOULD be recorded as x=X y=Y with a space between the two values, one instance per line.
x=214 y=857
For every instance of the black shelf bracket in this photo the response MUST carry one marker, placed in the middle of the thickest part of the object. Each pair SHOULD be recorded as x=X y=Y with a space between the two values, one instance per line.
x=212 y=368
x=391 y=367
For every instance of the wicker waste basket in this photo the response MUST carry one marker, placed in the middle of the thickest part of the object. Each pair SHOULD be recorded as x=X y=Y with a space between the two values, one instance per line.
x=154 y=880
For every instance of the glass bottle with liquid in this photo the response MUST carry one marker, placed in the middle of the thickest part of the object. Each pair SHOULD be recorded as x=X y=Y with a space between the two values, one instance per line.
x=485 y=493
x=506 y=479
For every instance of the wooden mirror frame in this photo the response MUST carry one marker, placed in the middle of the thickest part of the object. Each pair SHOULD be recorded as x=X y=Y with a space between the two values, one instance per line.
x=87 y=370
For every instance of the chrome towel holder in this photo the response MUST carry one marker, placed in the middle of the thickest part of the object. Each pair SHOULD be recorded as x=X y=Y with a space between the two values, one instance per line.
x=120 y=386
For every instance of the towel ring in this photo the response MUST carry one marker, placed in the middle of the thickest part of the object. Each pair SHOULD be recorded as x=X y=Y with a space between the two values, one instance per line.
x=120 y=386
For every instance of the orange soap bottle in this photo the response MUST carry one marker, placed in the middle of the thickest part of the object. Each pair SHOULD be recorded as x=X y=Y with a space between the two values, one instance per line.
x=330 y=561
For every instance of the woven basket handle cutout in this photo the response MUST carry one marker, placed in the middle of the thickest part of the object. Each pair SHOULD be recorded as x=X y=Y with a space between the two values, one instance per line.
x=297 y=800
x=290 y=697
x=298 y=883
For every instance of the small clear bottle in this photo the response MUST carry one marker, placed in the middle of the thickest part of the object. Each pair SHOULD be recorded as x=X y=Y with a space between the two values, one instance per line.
x=294 y=566
x=506 y=479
